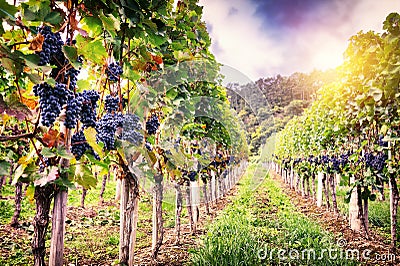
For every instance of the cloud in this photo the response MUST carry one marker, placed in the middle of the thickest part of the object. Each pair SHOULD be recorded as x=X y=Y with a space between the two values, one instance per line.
x=264 y=38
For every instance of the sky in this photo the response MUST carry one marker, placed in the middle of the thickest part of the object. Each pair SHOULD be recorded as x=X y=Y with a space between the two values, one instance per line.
x=263 y=38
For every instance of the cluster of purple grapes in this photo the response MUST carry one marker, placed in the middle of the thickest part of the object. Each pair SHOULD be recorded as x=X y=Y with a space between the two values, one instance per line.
x=344 y=159
x=88 y=110
x=113 y=71
x=74 y=107
x=376 y=162
x=111 y=103
x=131 y=129
x=152 y=124
x=297 y=161
x=335 y=164
x=106 y=128
x=83 y=107
x=43 y=163
x=71 y=74
x=192 y=175
x=148 y=146
x=79 y=145
x=381 y=142
x=52 y=46
x=51 y=101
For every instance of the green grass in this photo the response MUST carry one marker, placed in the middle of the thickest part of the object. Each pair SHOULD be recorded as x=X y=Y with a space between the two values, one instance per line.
x=256 y=226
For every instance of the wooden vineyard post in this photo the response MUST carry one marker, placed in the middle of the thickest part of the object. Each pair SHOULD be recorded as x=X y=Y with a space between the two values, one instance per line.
x=333 y=184
x=394 y=202
x=123 y=226
x=129 y=208
x=291 y=176
x=188 y=200
x=338 y=178
x=325 y=186
x=118 y=189
x=58 y=227
x=195 y=200
x=60 y=210
x=18 y=200
x=354 y=219
x=314 y=192
x=158 y=230
x=178 y=211
x=103 y=187
x=319 y=188
x=206 y=197
x=213 y=187
x=83 y=197
x=209 y=191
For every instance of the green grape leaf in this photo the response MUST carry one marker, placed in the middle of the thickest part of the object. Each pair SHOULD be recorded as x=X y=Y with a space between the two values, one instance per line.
x=5 y=168
x=35 y=78
x=63 y=153
x=110 y=24
x=30 y=193
x=48 y=153
x=130 y=73
x=84 y=177
x=83 y=84
x=92 y=50
x=53 y=18
x=7 y=10
x=71 y=53
x=92 y=25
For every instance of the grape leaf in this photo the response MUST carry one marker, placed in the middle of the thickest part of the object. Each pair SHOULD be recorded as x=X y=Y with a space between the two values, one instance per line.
x=51 y=138
x=7 y=10
x=53 y=18
x=92 y=50
x=13 y=107
x=110 y=24
x=92 y=25
x=90 y=135
x=30 y=193
x=48 y=153
x=84 y=177
x=63 y=153
x=70 y=52
x=4 y=168
x=47 y=176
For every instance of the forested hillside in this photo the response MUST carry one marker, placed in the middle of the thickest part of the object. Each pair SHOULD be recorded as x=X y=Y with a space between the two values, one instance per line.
x=268 y=104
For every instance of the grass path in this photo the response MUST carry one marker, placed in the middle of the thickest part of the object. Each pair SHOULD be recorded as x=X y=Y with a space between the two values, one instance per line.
x=263 y=227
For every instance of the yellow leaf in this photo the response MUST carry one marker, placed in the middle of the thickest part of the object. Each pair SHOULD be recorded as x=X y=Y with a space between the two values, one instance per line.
x=5 y=118
x=90 y=135
x=30 y=193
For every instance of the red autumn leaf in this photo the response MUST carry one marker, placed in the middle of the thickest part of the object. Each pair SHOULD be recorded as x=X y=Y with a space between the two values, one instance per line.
x=52 y=138
x=157 y=59
x=36 y=43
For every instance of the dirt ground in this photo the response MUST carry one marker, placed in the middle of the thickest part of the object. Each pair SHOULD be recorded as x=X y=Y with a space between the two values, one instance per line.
x=376 y=247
